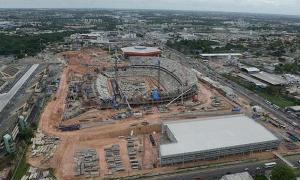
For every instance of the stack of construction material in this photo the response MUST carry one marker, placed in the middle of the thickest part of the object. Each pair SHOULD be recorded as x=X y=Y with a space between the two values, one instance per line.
x=10 y=71
x=36 y=173
x=43 y=145
x=113 y=158
x=163 y=109
x=132 y=153
x=132 y=88
x=217 y=101
x=148 y=110
x=122 y=115
x=87 y=163
x=1 y=82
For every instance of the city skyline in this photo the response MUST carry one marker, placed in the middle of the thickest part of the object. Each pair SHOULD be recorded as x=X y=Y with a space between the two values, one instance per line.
x=288 y=7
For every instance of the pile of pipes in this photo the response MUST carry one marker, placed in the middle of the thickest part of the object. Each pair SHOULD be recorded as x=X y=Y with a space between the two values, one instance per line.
x=87 y=163
x=43 y=145
x=132 y=153
x=113 y=159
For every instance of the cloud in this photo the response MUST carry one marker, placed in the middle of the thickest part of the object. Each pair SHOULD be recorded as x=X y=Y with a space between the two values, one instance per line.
x=259 y=6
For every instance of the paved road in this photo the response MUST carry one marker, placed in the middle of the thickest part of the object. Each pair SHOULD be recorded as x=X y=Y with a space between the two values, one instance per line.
x=256 y=99
x=204 y=69
x=6 y=97
x=216 y=173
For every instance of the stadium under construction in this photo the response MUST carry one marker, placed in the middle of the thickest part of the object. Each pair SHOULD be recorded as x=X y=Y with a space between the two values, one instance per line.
x=121 y=107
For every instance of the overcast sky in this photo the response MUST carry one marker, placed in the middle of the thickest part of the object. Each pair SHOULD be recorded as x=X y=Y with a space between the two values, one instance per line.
x=259 y=6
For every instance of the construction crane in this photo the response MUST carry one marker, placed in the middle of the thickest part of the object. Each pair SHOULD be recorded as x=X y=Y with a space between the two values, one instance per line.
x=181 y=95
x=116 y=81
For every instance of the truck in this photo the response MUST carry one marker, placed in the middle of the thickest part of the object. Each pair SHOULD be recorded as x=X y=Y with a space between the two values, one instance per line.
x=270 y=165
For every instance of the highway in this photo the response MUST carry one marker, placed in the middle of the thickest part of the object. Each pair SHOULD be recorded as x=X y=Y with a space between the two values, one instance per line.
x=6 y=97
x=211 y=73
x=217 y=172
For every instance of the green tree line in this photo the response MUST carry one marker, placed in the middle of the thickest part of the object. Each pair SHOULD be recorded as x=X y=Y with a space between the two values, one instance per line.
x=293 y=68
x=19 y=45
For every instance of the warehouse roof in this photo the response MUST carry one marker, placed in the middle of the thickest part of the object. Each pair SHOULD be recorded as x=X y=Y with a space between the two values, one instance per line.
x=204 y=134
x=270 y=78
x=251 y=69
x=250 y=79
x=140 y=49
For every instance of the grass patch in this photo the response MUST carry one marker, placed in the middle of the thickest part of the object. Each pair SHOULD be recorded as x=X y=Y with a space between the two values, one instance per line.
x=21 y=169
x=260 y=177
x=272 y=94
x=279 y=100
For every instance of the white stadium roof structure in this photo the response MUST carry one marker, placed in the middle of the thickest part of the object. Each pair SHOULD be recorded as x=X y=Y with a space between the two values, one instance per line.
x=140 y=50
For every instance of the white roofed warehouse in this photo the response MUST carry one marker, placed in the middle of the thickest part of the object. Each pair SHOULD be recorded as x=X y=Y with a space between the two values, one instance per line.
x=213 y=137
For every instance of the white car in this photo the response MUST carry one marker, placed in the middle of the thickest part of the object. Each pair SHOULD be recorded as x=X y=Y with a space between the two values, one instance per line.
x=294 y=124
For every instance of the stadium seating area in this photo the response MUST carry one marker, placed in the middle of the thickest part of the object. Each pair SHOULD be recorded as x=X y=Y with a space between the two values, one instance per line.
x=186 y=76
x=174 y=79
x=101 y=86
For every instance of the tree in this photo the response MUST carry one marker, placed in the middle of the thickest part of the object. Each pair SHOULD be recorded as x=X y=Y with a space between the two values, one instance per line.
x=282 y=172
x=288 y=68
x=260 y=177
x=26 y=135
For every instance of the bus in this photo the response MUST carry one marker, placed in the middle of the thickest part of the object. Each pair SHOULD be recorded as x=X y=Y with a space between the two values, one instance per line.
x=270 y=164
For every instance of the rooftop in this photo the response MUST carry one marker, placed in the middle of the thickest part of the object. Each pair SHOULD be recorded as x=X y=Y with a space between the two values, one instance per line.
x=140 y=49
x=250 y=79
x=270 y=78
x=251 y=69
x=204 y=134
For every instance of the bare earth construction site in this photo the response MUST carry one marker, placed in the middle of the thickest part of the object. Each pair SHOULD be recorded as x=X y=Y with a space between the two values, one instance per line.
x=108 y=112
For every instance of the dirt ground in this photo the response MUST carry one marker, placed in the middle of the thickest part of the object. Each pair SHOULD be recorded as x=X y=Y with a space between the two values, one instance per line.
x=100 y=135
x=95 y=137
